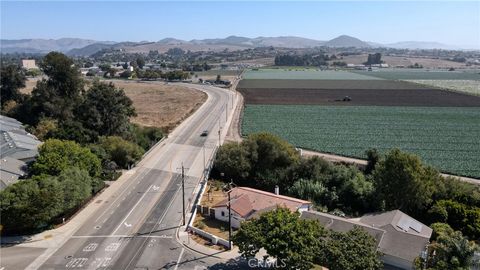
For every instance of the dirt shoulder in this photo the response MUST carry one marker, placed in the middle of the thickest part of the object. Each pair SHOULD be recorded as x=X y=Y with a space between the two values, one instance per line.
x=234 y=132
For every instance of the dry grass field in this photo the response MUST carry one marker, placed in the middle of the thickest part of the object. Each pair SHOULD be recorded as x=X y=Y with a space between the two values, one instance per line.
x=161 y=105
x=157 y=104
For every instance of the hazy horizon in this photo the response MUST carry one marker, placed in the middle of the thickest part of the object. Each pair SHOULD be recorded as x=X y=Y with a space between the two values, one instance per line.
x=451 y=23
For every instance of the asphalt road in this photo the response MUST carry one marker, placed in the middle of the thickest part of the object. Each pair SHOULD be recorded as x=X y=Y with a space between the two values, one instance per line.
x=135 y=228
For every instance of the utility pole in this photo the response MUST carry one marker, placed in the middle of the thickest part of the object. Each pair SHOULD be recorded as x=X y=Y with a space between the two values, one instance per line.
x=229 y=222
x=219 y=131
x=183 y=192
x=204 y=160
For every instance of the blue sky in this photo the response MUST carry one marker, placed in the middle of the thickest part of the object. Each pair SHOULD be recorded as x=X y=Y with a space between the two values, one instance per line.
x=455 y=23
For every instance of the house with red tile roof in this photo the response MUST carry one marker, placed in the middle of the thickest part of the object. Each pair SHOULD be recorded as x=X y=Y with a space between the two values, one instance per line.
x=247 y=203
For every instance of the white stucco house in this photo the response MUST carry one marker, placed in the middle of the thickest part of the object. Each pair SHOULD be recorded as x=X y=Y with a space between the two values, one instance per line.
x=247 y=203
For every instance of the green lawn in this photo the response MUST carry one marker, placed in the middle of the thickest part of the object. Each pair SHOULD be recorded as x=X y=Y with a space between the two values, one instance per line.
x=447 y=138
x=298 y=73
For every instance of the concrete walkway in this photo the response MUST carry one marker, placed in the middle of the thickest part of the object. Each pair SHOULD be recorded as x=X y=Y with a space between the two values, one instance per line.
x=185 y=239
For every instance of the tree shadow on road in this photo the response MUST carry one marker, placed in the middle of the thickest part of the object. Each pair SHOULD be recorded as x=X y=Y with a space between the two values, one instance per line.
x=232 y=264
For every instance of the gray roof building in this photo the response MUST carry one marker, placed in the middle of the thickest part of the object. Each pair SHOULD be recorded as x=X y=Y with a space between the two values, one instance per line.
x=9 y=124
x=399 y=237
x=17 y=147
x=10 y=170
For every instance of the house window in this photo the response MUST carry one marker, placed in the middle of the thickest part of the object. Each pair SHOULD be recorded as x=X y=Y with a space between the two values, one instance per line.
x=223 y=213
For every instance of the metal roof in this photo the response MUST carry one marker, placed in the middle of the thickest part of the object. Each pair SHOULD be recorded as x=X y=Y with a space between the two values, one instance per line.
x=10 y=170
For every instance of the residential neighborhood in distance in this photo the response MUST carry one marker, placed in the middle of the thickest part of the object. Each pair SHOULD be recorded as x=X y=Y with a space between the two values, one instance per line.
x=179 y=135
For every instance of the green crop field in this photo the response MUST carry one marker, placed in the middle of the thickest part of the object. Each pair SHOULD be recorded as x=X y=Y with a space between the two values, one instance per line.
x=304 y=74
x=411 y=74
x=447 y=138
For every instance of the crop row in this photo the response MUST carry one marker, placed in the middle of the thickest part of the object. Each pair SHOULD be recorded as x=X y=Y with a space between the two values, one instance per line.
x=412 y=74
x=447 y=138
x=465 y=86
x=305 y=74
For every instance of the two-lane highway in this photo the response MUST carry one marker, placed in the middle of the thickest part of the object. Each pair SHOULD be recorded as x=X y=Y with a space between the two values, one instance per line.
x=135 y=227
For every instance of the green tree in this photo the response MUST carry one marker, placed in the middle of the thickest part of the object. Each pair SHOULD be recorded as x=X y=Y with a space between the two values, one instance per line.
x=308 y=190
x=126 y=74
x=57 y=96
x=450 y=250
x=352 y=250
x=77 y=187
x=12 y=79
x=284 y=236
x=313 y=168
x=72 y=130
x=122 y=152
x=105 y=67
x=44 y=127
x=374 y=59
x=269 y=156
x=106 y=109
x=34 y=72
x=140 y=62
x=88 y=64
x=56 y=156
x=403 y=182
x=356 y=192
x=145 y=137
x=232 y=160
x=373 y=157
x=30 y=204
x=459 y=216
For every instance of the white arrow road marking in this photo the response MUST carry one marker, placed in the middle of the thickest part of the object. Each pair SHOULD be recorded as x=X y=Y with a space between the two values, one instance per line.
x=155 y=188
x=127 y=225
x=131 y=210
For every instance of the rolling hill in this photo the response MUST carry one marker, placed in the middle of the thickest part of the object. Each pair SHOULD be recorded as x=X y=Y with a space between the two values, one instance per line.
x=346 y=41
x=46 y=45
x=86 y=47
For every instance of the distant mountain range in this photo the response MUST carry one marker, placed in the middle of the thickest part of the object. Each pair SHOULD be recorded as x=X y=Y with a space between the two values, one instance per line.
x=85 y=47
x=45 y=45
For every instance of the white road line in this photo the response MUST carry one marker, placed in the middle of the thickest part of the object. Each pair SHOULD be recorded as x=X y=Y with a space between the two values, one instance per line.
x=101 y=236
x=121 y=193
x=159 y=220
x=121 y=236
x=179 y=259
x=131 y=210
